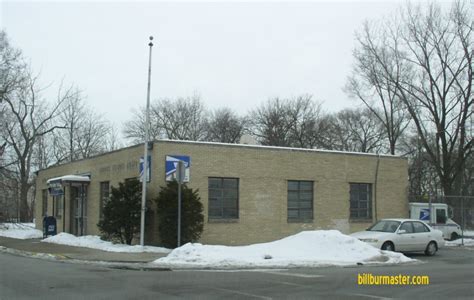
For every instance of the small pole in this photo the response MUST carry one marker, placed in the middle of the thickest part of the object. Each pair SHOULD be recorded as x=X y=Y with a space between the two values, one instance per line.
x=145 y=158
x=462 y=220
x=180 y=177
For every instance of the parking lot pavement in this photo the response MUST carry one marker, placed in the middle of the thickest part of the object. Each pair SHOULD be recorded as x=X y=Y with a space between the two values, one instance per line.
x=450 y=273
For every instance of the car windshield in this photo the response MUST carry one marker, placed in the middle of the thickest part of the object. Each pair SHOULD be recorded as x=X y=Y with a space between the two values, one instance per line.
x=385 y=226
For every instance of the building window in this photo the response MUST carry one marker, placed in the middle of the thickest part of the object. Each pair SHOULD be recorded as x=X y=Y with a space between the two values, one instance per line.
x=361 y=201
x=104 y=197
x=223 y=198
x=300 y=201
x=58 y=206
x=45 y=202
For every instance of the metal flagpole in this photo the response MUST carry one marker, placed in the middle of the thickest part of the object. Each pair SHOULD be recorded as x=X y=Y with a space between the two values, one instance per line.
x=145 y=158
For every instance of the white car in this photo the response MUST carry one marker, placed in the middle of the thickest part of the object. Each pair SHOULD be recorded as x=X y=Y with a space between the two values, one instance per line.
x=402 y=235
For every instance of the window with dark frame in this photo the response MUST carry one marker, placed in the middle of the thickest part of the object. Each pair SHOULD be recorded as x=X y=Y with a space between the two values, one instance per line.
x=45 y=202
x=300 y=201
x=58 y=206
x=104 y=197
x=361 y=201
x=223 y=198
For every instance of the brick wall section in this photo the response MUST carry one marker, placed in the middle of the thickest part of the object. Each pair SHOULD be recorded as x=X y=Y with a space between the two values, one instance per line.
x=263 y=173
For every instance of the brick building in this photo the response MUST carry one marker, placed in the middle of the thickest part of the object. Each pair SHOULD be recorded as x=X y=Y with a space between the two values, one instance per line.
x=249 y=193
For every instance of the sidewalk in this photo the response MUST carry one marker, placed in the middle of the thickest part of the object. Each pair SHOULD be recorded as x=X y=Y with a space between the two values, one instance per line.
x=35 y=246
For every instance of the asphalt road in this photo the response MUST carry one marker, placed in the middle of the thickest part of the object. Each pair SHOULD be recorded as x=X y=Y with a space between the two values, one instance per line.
x=451 y=274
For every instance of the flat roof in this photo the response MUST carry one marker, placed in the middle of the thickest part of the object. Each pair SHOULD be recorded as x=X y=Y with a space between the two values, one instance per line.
x=247 y=146
x=73 y=178
x=281 y=148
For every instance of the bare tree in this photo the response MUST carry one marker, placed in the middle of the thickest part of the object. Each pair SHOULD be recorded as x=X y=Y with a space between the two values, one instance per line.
x=430 y=71
x=113 y=141
x=294 y=122
x=225 y=126
x=376 y=91
x=29 y=118
x=423 y=179
x=307 y=122
x=182 y=119
x=85 y=134
x=356 y=130
x=134 y=129
x=12 y=67
x=270 y=123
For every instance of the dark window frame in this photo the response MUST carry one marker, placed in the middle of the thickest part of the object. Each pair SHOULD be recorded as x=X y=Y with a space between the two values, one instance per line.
x=356 y=190
x=212 y=198
x=58 y=206
x=299 y=192
x=44 y=203
x=103 y=198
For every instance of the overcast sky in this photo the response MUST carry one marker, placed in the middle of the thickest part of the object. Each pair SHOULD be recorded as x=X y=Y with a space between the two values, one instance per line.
x=232 y=54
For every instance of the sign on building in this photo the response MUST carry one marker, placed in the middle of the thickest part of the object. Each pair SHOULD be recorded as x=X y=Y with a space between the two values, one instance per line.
x=172 y=164
x=55 y=188
x=148 y=175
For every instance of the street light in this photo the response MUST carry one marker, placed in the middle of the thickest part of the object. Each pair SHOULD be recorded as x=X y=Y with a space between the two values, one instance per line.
x=145 y=157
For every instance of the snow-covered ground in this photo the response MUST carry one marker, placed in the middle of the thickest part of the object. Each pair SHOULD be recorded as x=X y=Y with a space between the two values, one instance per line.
x=94 y=242
x=27 y=231
x=458 y=242
x=21 y=231
x=469 y=233
x=304 y=249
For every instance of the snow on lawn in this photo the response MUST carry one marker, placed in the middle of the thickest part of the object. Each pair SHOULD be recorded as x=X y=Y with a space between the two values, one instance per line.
x=94 y=242
x=458 y=242
x=21 y=231
x=307 y=248
x=468 y=233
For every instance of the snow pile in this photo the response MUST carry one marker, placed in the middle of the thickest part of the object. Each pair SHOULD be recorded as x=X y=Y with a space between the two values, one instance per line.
x=21 y=231
x=94 y=242
x=458 y=242
x=307 y=248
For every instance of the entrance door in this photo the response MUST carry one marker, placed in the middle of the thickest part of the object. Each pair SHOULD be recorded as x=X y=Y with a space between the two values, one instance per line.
x=78 y=210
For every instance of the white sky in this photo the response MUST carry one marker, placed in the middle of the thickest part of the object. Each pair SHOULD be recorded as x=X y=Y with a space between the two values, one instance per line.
x=232 y=54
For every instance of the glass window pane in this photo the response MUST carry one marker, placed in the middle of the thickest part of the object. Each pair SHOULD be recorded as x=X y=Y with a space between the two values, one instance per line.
x=300 y=199
x=293 y=204
x=354 y=213
x=230 y=183
x=215 y=212
x=293 y=185
x=293 y=214
x=230 y=213
x=230 y=193
x=214 y=193
x=306 y=185
x=354 y=204
x=306 y=196
x=360 y=200
x=407 y=226
x=223 y=197
x=305 y=204
x=229 y=203
x=292 y=196
x=215 y=183
x=306 y=214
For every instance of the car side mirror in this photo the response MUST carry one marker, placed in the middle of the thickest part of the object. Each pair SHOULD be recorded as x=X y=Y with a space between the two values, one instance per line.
x=401 y=231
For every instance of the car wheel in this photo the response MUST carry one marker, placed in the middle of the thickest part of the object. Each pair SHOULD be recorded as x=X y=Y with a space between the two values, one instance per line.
x=431 y=249
x=454 y=236
x=388 y=246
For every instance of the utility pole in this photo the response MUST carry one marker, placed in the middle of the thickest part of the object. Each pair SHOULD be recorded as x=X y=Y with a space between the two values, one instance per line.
x=145 y=158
